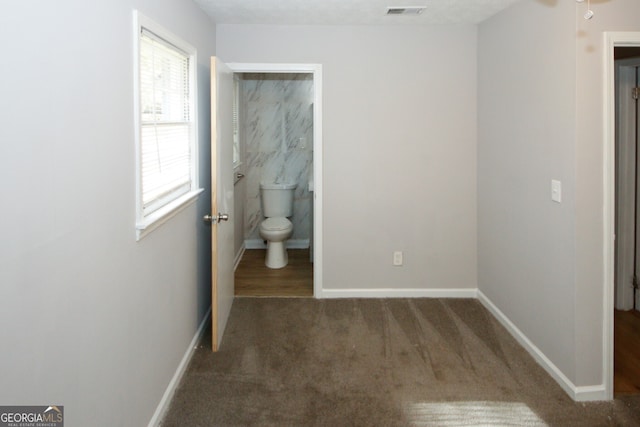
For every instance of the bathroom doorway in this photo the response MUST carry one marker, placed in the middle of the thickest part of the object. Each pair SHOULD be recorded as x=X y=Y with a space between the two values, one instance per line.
x=278 y=129
x=626 y=359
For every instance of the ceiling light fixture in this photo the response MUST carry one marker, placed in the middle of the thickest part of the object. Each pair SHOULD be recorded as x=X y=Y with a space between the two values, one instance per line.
x=405 y=10
x=589 y=13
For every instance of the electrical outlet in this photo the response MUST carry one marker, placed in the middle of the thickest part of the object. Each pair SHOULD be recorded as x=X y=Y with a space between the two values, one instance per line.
x=397 y=258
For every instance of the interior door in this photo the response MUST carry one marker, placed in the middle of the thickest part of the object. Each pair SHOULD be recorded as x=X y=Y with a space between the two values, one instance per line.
x=221 y=198
x=635 y=137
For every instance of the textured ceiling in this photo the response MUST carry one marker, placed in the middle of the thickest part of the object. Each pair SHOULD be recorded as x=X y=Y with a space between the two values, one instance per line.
x=349 y=12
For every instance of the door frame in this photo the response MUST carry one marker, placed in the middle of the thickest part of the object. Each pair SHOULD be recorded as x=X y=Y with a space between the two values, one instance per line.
x=316 y=70
x=611 y=41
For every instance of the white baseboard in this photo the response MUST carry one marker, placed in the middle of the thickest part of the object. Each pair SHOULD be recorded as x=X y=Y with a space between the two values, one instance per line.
x=590 y=393
x=291 y=244
x=399 y=293
x=162 y=407
x=239 y=257
x=579 y=394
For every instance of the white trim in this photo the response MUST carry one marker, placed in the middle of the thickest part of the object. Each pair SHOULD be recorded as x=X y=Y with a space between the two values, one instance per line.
x=316 y=70
x=585 y=393
x=590 y=393
x=318 y=187
x=254 y=244
x=145 y=223
x=298 y=244
x=167 y=397
x=611 y=40
x=142 y=21
x=400 y=293
x=289 y=244
x=239 y=255
x=238 y=67
x=165 y=213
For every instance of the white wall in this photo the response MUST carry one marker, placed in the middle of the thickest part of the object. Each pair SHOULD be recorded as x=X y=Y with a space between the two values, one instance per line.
x=618 y=15
x=91 y=319
x=541 y=118
x=399 y=141
x=526 y=93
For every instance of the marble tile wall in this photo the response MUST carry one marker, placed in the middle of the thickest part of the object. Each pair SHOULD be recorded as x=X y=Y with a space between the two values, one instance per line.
x=278 y=137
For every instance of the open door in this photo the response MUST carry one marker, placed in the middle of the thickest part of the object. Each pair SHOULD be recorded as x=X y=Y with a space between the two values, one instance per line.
x=221 y=198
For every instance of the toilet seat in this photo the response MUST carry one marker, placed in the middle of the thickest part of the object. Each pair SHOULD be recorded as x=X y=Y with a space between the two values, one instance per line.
x=276 y=224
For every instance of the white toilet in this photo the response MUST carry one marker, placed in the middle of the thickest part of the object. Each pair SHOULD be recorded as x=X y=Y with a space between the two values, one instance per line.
x=277 y=205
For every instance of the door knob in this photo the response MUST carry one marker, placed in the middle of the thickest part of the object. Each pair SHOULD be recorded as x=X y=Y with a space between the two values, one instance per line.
x=213 y=219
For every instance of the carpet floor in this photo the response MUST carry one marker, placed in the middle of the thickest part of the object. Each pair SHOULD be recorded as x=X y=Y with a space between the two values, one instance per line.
x=375 y=362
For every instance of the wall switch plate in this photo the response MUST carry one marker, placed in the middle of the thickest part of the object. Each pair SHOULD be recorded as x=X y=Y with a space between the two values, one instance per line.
x=556 y=191
x=397 y=258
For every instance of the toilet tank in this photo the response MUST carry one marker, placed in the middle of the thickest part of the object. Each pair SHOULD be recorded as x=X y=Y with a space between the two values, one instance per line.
x=277 y=199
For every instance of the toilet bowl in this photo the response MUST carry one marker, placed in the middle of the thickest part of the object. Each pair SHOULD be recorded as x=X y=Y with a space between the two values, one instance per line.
x=277 y=205
x=276 y=231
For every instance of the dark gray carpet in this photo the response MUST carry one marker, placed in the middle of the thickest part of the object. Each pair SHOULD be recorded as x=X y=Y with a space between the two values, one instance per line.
x=375 y=362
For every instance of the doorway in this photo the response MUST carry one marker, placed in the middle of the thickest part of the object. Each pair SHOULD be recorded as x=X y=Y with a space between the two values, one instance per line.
x=613 y=41
x=279 y=115
x=627 y=222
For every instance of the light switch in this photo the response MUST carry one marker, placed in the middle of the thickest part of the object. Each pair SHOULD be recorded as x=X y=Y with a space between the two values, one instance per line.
x=397 y=258
x=556 y=191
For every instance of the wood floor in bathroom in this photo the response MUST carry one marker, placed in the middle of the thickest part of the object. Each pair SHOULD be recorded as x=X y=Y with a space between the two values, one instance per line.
x=626 y=378
x=253 y=278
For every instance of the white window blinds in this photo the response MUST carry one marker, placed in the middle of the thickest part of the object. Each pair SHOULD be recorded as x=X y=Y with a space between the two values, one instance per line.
x=166 y=125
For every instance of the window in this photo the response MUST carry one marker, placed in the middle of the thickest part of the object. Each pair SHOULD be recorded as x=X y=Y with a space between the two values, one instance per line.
x=166 y=126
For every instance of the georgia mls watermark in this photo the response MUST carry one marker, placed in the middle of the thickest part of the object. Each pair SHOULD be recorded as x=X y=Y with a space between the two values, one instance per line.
x=32 y=416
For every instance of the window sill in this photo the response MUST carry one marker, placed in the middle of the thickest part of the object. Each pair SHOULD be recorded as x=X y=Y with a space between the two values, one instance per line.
x=165 y=213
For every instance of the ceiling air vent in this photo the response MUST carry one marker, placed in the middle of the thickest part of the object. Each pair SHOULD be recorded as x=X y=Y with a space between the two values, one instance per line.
x=408 y=10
